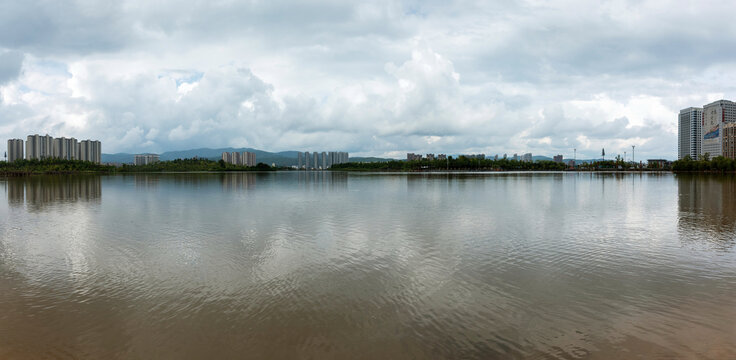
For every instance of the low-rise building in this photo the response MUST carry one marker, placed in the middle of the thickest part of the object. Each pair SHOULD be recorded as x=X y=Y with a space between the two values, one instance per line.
x=657 y=163
x=557 y=158
x=729 y=140
x=145 y=159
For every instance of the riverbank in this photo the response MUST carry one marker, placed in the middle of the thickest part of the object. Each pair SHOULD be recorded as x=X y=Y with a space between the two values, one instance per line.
x=69 y=167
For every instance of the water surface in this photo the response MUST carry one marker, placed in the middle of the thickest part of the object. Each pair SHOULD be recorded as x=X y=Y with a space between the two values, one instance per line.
x=338 y=265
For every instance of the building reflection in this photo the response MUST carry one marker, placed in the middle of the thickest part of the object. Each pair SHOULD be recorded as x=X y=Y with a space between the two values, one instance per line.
x=323 y=180
x=146 y=181
x=238 y=181
x=37 y=192
x=707 y=208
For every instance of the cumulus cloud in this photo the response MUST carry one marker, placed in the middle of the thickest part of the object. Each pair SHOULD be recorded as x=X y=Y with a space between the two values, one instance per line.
x=381 y=78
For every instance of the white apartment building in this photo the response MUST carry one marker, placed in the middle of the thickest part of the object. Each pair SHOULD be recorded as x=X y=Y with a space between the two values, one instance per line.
x=64 y=148
x=38 y=147
x=89 y=150
x=245 y=158
x=46 y=147
x=15 y=149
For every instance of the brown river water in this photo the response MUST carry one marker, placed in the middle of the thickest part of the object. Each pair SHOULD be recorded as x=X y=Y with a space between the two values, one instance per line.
x=295 y=265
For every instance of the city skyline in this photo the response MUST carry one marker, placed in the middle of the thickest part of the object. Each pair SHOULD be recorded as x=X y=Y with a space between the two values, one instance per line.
x=41 y=147
x=378 y=79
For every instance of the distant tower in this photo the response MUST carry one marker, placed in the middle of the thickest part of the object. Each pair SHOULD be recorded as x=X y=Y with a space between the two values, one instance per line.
x=632 y=152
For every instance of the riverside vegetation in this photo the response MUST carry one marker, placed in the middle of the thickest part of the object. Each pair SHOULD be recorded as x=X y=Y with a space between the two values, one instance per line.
x=59 y=166
x=716 y=164
x=463 y=163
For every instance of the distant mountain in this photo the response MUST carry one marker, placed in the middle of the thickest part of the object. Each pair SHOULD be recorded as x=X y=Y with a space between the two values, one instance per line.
x=369 y=159
x=120 y=158
x=541 y=158
x=283 y=158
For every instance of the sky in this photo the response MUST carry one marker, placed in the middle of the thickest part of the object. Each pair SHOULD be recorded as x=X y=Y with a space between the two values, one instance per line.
x=378 y=78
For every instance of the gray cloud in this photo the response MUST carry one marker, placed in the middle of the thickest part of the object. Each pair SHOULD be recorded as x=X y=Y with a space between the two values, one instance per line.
x=380 y=78
x=10 y=65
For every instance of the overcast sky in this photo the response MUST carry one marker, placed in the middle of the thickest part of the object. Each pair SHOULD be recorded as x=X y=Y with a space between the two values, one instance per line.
x=373 y=78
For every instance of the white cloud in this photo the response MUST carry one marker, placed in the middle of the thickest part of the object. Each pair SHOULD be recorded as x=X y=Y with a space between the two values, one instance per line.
x=378 y=78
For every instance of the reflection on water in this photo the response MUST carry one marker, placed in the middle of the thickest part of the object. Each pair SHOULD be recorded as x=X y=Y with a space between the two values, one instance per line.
x=322 y=180
x=707 y=209
x=38 y=192
x=359 y=265
x=238 y=181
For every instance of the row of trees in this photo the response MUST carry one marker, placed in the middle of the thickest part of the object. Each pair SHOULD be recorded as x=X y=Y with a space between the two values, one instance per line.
x=706 y=164
x=467 y=163
x=59 y=166
x=192 y=165
x=52 y=166
x=459 y=163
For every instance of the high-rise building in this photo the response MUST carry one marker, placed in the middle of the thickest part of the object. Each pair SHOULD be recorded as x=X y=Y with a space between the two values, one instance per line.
x=715 y=115
x=689 y=132
x=306 y=160
x=324 y=160
x=145 y=159
x=15 y=149
x=38 y=147
x=89 y=150
x=64 y=148
x=526 y=157
x=315 y=164
x=300 y=160
x=245 y=158
x=46 y=147
x=249 y=158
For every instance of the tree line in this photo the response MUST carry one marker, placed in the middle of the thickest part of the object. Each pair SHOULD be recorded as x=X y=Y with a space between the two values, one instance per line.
x=706 y=164
x=52 y=166
x=459 y=163
x=184 y=165
x=474 y=164
x=61 y=166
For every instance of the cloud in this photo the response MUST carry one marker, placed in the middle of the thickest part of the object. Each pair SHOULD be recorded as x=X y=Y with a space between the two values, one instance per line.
x=377 y=78
x=10 y=65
